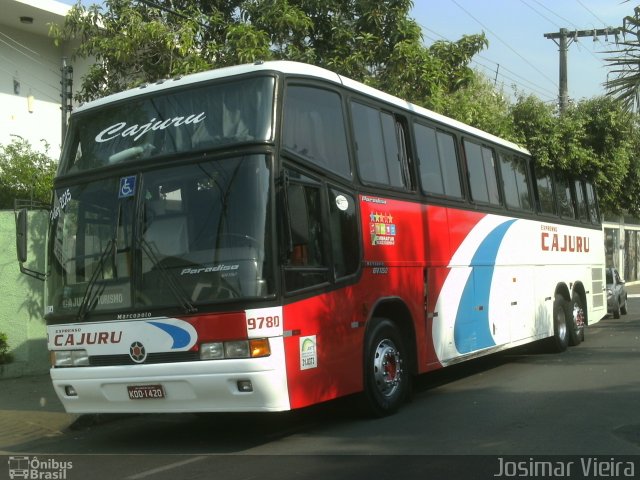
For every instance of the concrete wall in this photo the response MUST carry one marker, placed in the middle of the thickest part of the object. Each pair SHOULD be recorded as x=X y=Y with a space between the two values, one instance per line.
x=21 y=298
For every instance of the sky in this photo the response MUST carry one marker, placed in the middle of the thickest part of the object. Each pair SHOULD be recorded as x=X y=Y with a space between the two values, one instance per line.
x=519 y=57
x=518 y=51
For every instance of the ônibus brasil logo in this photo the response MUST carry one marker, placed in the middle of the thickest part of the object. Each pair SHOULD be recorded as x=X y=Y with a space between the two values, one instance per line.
x=38 y=469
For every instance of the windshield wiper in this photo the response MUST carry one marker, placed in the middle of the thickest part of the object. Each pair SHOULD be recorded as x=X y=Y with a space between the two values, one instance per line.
x=91 y=294
x=173 y=285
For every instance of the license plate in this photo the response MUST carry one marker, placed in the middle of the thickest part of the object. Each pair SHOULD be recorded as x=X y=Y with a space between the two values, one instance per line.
x=143 y=392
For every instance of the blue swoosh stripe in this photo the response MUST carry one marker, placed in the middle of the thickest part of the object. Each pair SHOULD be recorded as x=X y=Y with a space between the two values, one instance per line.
x=180 y=336
x=472 y=330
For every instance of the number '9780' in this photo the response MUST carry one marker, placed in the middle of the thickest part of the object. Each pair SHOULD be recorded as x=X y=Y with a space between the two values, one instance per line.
x=258 y=323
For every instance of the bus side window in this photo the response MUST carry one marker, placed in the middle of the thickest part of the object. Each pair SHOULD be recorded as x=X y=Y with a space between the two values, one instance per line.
x=481 y=166
x=515 y=182
x=306 y=257
x=581 y=201
x=381 y=147
x=314 y=128
x=565 y=198
x=546 y=199
x=345 y=238
x=592 y=204
x=438 y=163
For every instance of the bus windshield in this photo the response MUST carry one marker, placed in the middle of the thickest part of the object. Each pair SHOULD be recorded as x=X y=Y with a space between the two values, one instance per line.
x=170 y=123
x=180 y=236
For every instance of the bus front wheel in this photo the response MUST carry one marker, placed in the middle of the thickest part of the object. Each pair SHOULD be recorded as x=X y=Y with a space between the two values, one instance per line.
x=386 y=376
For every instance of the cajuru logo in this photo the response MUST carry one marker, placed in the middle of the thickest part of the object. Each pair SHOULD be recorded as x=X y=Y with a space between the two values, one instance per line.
x=136 y=131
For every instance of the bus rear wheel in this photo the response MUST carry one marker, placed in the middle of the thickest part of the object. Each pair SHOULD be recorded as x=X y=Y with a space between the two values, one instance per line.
x=577 y=321
x=386 y=378
x=561 y=313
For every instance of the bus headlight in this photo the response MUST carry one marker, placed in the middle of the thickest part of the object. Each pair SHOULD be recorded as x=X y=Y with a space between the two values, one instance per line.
x=69 y=358
x=211 y=351
x=254 y=348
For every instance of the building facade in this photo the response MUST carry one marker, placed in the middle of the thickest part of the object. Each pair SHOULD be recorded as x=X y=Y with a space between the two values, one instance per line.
x=622 y=246
x=30 y=101
x=30 y=73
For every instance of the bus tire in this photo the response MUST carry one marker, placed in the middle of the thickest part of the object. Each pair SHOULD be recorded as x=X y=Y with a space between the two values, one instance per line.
x=576 y=321
x=386 y=376
x=560 y=339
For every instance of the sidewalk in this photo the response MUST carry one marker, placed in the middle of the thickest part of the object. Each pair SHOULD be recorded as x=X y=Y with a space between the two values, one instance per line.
x=633 y=289
x=29 y=409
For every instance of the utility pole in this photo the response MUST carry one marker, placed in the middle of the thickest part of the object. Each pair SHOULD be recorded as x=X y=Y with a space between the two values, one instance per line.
x=67 y=94
x=564 y=38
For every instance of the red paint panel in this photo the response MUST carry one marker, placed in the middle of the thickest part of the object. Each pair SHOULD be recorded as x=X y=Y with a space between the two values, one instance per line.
x=333 y=318
x=219 y=326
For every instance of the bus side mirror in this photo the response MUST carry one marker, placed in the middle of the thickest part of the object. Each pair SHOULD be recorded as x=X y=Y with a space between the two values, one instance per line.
x=22 y=227
x=21 y=234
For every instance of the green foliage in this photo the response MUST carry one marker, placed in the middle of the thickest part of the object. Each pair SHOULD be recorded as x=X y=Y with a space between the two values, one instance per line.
x=596 y=138
x=370 y=41
x=375 y=42
x=5 y=356
x=25 y=173
x=624 y=65
x=479 y=104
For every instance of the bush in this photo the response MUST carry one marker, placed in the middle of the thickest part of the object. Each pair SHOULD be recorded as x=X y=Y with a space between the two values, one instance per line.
x=25 y=173
x=5 y=356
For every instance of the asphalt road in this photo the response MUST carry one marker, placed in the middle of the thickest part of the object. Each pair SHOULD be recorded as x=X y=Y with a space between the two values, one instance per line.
x=582 y=403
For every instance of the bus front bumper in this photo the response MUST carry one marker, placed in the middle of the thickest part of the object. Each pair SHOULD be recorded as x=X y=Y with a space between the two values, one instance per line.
x=234 y=385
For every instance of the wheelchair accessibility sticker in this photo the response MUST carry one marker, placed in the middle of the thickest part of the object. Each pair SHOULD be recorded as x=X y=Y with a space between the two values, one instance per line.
x=127 y=187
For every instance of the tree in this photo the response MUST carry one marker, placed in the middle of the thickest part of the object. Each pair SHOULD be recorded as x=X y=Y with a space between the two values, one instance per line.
x=625 y=65
x=138 y=41
x=596 y=139
x=25 y=173
x=480 y=104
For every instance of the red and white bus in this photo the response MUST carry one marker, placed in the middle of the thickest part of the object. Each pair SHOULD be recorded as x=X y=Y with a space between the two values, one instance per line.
x=271 y=236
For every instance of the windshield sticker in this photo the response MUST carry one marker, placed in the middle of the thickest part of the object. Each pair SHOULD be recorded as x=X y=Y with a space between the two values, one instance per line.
x=127 y=187
x=308 y=353
x=382 y=229
x=60 y=203
x=136 y=131
x=342 y=203
x=104 y=299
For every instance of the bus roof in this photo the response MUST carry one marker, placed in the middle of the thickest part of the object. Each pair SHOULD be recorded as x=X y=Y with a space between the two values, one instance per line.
x=301 y=69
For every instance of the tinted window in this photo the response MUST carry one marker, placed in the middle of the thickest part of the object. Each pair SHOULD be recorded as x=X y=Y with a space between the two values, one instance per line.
x=314 y=128
x=546 y=198
x=514 y=179
x=581 y=201
x=171 y=122
x=306 y=260
x=344 y=233
x=592 y=204
x=565 y=201
x=482 y=173
x=438 y=162
x=379 y=143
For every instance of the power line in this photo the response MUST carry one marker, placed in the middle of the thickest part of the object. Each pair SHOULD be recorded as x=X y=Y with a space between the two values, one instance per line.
x=540 y=14
x=591 y=12
x=556 y=14
x=6 y=60
x=521 y=81
x=25 y=48
x=524 y=59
